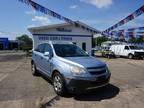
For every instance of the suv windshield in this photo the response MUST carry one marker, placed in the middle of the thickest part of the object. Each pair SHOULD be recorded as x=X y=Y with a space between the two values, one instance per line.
x=134 y=48
x=69 y=50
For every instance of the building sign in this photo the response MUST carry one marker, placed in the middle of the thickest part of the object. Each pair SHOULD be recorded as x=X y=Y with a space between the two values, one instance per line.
x=3 y=39
x=63 y=30
x=55 y=38
x=4 y=42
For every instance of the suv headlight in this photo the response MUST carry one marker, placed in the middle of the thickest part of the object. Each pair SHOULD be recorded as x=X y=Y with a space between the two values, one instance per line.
x=77 y=70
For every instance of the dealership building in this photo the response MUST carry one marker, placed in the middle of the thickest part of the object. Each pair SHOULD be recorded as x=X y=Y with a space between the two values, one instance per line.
x=65 y=32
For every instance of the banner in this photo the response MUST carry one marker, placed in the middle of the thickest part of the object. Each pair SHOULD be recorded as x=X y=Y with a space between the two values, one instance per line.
x=44 y=10
x=132 y=16
x=131 y=34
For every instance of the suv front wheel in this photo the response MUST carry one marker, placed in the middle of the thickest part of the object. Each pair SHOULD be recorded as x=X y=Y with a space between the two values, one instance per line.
x=59 y=84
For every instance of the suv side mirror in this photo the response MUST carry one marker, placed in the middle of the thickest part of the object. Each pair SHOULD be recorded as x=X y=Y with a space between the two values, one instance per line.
x=47 y=55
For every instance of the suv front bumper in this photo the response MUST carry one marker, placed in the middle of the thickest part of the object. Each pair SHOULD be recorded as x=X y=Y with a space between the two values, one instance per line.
x=81 y=84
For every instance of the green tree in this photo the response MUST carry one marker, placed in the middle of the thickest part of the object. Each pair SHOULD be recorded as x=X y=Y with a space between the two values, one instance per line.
x=140 y=40
x=136 y=40
x=97 y=41
x=25 y=42
x=132 y=40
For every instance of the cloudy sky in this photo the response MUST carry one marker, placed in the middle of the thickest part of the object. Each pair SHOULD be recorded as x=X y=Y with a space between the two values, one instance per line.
x=16 y=17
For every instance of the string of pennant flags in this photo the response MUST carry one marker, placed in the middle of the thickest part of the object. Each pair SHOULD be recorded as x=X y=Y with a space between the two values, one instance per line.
x=132 y=16
x=129 y=30
x=108 y=32
x=129 y=33
x=46 y=11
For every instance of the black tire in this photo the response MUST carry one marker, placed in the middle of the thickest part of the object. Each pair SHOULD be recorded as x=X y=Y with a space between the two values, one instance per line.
x=108 y=56
x=34 y=69
x=113 y=55
x=102 y=54
x=130 y=56
x=59 y=84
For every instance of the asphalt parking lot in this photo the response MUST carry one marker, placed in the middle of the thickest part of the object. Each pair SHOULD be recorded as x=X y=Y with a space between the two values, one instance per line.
x=19 y=89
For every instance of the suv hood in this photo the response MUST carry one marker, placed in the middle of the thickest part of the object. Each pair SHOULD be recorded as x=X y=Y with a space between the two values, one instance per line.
x=87 y=62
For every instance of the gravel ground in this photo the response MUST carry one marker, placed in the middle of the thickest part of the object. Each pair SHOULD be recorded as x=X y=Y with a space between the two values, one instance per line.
x=19 y=89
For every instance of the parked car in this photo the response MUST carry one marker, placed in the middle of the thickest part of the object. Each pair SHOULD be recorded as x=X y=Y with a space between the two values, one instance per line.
x=95 y=50
x=69 y=67
x=106 y=52
x=130 y=51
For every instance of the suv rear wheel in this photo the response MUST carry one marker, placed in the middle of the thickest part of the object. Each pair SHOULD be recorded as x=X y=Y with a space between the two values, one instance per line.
x=34 y=70
x=59 y=84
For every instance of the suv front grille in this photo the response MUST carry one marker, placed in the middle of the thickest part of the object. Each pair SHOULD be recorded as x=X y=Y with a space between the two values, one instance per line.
x=97 y=70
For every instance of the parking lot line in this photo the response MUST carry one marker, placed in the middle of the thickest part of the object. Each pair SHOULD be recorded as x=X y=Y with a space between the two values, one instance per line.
x=2 y=77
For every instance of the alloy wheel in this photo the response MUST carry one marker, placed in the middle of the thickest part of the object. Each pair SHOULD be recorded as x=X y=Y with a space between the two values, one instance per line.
x=33 y=68
x=57 y=83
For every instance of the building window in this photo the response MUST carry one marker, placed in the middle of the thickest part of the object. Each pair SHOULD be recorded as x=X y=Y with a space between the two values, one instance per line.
x=84 y=46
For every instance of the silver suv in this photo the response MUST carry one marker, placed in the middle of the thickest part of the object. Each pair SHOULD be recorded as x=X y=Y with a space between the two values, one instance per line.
x=69 y=67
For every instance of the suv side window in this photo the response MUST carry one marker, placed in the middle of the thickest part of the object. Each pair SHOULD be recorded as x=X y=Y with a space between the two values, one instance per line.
x=37 y=49
x=48 y=48
x=40 y=48
x=126 y=48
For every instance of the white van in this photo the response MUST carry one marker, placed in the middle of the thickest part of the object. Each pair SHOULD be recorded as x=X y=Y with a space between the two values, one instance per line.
x=129 y=51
